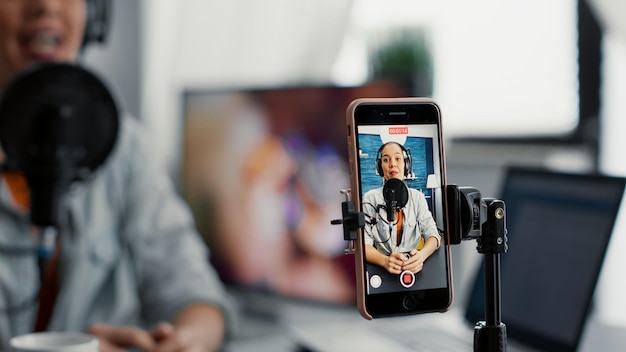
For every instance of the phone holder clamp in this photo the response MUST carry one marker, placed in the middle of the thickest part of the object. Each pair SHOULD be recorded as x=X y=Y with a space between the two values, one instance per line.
x=482 y=219
x=351 y=221
x=470 y=217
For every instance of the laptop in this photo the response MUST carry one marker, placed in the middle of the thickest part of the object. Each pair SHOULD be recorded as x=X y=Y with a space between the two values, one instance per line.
x=559 y=226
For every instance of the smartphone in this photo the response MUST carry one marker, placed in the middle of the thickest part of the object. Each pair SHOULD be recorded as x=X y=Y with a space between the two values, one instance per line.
x=402 y=253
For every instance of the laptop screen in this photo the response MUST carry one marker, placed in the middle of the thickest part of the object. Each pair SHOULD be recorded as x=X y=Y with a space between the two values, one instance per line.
x=559 y=226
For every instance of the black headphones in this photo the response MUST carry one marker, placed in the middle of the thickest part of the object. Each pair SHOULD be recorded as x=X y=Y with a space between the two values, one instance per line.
x=406 y=154
x=97 y=21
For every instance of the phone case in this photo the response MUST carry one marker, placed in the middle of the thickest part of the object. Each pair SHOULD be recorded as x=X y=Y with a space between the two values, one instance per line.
x=355 y=193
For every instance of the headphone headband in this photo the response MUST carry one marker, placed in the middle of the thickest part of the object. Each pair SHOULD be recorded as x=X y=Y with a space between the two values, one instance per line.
x=97 y=21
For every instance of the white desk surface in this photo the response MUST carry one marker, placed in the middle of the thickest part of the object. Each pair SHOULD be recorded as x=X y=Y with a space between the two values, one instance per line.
x=287 y=325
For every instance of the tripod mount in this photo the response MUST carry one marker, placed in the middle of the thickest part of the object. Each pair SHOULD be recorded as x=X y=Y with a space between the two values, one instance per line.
x=470 y=217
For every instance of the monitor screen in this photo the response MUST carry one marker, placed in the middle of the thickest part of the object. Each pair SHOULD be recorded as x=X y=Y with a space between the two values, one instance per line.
x=559 y=226
x=262 y=171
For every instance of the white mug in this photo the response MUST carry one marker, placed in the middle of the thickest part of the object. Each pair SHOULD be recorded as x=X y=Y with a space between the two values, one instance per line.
x=55 y=342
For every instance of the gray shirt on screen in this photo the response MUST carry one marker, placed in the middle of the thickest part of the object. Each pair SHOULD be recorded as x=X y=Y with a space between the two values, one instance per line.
x=417 y=222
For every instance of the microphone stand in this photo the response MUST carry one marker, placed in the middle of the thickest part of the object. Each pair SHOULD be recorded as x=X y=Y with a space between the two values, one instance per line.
x=46 y=248
x=490 y=335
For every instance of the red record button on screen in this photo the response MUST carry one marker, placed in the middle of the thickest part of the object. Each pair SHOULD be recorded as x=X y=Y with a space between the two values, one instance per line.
x=407 y=278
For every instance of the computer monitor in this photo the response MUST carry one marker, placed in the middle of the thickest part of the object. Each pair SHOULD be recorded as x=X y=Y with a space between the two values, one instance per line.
x=262 y=170
x=559 y=225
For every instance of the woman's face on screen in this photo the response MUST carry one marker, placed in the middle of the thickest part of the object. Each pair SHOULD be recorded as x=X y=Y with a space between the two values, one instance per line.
x=392 y=162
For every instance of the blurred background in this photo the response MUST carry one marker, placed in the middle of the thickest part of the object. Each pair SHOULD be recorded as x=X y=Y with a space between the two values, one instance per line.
x=525 y=82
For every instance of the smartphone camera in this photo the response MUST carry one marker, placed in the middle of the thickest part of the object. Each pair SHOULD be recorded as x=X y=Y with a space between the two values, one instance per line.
x=402 y=253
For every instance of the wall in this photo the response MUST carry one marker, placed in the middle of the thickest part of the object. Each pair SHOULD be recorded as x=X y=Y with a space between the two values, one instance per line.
x=118 y=60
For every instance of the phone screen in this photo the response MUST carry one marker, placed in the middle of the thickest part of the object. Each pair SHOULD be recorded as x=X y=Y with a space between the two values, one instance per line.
x=398 y=160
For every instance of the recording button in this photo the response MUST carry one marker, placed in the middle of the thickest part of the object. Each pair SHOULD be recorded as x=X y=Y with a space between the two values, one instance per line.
x=376 y=281
x=407 y=278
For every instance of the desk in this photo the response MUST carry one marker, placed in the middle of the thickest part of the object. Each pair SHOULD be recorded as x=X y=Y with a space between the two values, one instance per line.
x=276 y=324
x=599 y=336
x=433 y=275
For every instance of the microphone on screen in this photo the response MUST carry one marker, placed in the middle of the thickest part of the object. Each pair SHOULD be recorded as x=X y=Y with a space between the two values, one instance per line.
x=396 y=195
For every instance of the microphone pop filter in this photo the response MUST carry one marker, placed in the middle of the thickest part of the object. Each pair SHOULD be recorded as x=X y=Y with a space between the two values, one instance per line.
x=396 y=195
x=58 y=123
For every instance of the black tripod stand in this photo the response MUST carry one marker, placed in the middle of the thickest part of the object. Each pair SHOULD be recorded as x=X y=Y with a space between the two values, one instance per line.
x=469 y=217
x=472 y=217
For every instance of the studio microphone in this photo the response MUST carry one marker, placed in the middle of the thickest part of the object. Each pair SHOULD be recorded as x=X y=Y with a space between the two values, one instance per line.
x=391 y=204
x=396 y=195
x=58 y=123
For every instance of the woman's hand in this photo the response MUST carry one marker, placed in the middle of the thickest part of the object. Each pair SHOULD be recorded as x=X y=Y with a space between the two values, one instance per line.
x=162 y=338
x=170 y=339
x=197 y=328
x=117 y=338
x=395 y=262
x=415 y=262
